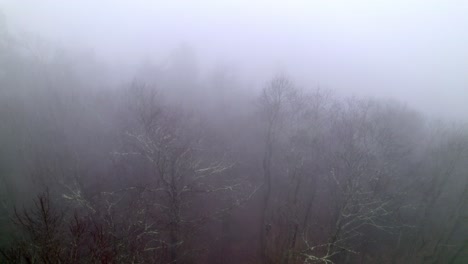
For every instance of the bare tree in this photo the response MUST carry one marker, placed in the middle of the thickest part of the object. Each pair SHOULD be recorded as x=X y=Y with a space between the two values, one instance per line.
x=181 y=171
x=274 y=106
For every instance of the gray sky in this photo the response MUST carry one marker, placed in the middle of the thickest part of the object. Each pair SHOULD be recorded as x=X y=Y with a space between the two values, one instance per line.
x=412 y=50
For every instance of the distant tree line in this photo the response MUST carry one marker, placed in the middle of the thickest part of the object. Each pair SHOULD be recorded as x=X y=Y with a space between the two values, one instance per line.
x=175 y=166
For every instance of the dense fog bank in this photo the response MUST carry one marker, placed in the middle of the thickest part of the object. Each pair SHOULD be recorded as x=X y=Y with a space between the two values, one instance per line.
x=168 y=161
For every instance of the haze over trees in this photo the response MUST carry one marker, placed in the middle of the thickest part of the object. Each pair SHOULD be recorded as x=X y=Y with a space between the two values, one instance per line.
x=178 y=164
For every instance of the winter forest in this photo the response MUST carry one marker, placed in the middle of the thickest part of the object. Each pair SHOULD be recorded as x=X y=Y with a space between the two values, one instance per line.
x=175 y=163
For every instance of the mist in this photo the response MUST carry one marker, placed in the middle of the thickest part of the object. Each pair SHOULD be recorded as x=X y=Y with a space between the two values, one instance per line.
x=414 y=51
x=233 y=131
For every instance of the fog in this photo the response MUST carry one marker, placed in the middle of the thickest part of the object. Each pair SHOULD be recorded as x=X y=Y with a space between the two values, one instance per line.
x=269 y=132
x=414 y=51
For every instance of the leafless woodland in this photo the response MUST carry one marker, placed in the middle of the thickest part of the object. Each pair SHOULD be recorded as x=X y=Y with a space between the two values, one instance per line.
x=175 y=166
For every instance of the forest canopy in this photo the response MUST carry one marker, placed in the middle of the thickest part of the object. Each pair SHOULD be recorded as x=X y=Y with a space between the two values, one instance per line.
x=175 y=164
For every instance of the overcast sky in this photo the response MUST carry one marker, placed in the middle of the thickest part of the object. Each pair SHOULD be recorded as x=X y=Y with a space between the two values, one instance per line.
x=412 y=50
